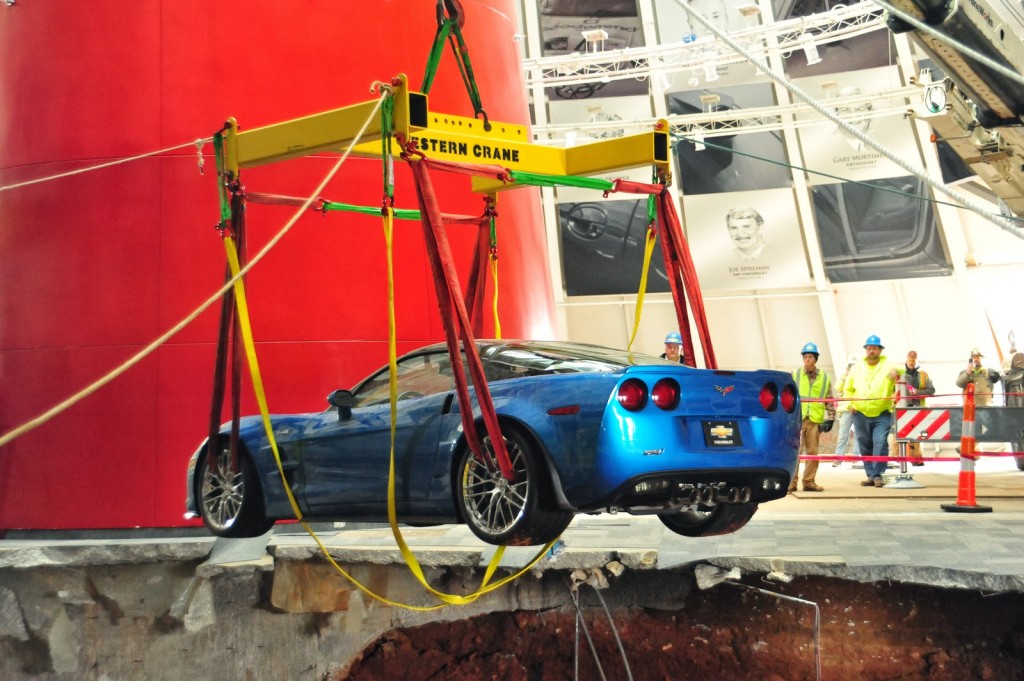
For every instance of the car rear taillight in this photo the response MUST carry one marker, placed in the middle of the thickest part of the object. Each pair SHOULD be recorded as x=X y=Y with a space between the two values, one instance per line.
x=665 y=394
x=632 y=394
x=789 y=398
x=769 y=397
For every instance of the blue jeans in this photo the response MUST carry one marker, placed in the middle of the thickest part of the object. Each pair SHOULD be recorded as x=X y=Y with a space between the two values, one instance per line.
x=842 y=444
x=873 y=440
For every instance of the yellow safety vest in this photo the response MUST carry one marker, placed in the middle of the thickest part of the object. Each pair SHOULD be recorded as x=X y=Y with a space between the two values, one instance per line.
x=819 y=389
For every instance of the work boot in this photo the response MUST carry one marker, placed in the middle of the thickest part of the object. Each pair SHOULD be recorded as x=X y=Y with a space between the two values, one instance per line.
x=878 y=482
x=867 y=482
x=792 y=488
x=813 y=487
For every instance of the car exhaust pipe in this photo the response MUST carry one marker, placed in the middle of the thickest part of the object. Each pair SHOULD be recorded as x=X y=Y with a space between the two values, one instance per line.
x=707 y=495
x=686 y=495
x=733 y=495
x=744 y=496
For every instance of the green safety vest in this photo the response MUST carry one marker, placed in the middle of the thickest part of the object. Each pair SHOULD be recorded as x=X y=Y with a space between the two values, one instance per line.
x=819 y=389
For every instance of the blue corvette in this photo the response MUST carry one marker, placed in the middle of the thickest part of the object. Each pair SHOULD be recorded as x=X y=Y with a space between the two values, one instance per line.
x=588 y=429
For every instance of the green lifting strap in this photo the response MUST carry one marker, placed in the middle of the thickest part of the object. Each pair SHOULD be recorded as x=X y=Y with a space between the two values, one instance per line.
x=542 y=180
x=652 y=210
x=448 y=30
x=400 y=213
x=387 y=125
x=222 y=181
x=443 y=29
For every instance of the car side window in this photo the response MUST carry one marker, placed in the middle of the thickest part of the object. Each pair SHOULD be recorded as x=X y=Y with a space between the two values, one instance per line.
x=418 y=376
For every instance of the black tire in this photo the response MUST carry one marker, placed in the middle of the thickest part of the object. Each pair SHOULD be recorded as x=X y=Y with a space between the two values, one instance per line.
x=1020 y=462
x=231 y=504
x=709 y=521
x=501 y=512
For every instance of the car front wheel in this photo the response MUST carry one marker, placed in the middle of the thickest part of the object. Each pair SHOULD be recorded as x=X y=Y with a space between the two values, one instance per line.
x=705 y=521
x=501 y=511
x=230 y=502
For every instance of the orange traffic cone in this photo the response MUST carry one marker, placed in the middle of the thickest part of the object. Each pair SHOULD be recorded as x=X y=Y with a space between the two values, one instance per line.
x=965 y=489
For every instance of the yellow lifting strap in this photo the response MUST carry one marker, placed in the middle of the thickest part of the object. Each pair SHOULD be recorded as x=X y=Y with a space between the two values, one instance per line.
x=407 y=554
x=652 y=238
x=257 y=382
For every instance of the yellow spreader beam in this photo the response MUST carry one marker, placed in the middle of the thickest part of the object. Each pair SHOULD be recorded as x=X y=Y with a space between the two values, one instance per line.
x=444 y=137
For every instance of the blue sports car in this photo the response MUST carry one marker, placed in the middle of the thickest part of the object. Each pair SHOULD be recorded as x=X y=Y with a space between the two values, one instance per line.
x=588 y=429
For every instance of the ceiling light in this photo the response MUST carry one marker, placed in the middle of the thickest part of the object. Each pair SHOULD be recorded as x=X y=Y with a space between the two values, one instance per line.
x=595 y=39
x=810 y=49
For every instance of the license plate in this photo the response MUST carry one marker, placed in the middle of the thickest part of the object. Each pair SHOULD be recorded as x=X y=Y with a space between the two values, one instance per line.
x=722 y=434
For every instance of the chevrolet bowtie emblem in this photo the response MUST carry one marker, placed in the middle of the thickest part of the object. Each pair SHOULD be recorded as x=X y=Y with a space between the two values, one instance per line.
x=721 y=432
x=725 y=390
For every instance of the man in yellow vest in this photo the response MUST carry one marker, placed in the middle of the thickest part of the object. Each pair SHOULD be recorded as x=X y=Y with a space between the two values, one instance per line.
x=870 y=388
x=819 y=412
x=918 y=384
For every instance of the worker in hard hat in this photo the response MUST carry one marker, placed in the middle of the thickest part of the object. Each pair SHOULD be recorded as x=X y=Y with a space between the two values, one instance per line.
x=919 y=384
x=845 y=444
x=673 y=347
x=870 y=388
x=1013 y=388
x=819 y=413
x=983 y=378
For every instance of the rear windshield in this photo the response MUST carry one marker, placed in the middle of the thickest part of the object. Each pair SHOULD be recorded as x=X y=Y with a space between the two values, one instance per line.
x=513 y=361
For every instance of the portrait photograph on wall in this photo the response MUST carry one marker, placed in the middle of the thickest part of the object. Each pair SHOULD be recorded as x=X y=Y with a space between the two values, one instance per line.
x=832 y=150
x=746 y=240
x=729 y=163
x=603 y=248
x=883 y=229
x=564 y=27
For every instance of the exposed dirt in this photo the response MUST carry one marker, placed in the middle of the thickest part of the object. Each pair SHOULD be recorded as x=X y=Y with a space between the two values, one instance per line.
x=867 y=631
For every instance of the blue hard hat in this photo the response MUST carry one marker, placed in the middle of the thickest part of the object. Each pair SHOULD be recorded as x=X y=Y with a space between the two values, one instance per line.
x=811 y=348
x=874 y=340
x=674 y=337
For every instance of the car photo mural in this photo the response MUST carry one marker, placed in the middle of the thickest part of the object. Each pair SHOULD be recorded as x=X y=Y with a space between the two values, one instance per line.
x=603 y=248
x=588 y=429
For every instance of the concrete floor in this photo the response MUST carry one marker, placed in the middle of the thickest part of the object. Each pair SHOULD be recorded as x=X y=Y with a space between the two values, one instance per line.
x=135 y=604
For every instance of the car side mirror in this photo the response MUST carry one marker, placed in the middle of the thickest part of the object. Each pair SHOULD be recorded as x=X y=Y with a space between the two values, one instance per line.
x=343 y=400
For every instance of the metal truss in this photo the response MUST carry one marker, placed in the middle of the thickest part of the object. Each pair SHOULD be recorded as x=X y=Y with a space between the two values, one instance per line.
x=639 y=63
x=853 y=108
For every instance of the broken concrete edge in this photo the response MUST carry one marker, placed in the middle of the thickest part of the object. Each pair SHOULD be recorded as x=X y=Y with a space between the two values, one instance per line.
x=82 y=554
x=514 y=558
x=777 y=569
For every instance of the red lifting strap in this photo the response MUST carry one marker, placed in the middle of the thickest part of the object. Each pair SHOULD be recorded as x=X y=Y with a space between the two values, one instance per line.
x=631 y=187
x=229 y=334
x=477 y=285
x=476 y=169
x=457 y=325
x=679 y=263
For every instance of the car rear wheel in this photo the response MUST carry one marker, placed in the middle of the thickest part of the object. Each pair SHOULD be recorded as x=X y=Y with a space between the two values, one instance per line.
x=508 y=512
x=231 y=504
x=705 y=521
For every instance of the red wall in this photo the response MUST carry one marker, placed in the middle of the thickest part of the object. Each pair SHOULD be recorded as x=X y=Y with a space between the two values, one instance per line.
x=95 y=266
